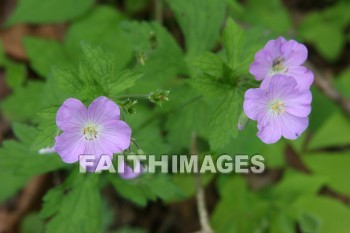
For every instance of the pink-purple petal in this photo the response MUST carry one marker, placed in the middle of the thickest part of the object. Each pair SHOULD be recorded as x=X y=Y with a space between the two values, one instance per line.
x=71 y=115
x=255 y=101
x=259 y=70
x=294 y=53
x=263 y=56
x=293 y=126
x=70 y=146
x=96 y=149
x=103 y=110
x=129 y=172
x=281 y=86
x=299 y=103
x=270 y=130
x=115 y=136
x=274 y=47
x=302 y=75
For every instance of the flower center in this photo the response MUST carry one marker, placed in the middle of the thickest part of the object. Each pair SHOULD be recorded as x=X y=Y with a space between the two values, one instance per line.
x=277 y=107
x=277 y=65
x=90 y=132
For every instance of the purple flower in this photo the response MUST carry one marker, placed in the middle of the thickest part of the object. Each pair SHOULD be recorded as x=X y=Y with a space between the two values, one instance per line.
x=126 y=172
x=280 y=110
x=95 y=130
x=282 y=57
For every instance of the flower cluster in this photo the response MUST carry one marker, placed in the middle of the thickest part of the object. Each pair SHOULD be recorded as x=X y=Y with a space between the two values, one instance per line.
x=283 y=102
x=95 y=130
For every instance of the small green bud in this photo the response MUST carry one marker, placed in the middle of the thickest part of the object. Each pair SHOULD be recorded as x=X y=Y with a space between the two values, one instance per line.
x=243 y=121
x=141 y=58
x=159 y=97
x=140 y=152
x=129 y=106
x=153 y=40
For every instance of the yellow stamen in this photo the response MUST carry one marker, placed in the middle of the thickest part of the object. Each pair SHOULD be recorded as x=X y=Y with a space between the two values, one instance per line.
x=278 y=107
x=90 y=132
x=278 y=65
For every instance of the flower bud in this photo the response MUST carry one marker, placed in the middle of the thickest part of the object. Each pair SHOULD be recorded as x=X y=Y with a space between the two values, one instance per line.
x=129 y=106
x=159 y=97
x=242 y=121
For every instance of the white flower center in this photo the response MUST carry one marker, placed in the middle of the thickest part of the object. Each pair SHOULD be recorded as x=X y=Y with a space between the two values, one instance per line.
x=90 y=132
x=277 y=107
x=278 y=67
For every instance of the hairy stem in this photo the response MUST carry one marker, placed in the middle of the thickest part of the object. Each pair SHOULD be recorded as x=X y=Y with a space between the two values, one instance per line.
x=159 y=10
x=200 y=194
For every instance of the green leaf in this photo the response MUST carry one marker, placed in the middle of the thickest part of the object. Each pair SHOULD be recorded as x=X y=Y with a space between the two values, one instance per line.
x=188 y=113
x=240 y=47
x=101 y=67
x=333 y=166
x=82 y=202
x=50 y=54
x=51 y=94
x=17 y=158
x=24 y=103
x=103 y=70
x=52 y=202
x=32 y=224
x=256 y=12
x=155 y=48
x=319 y=34
x=186 y=182
x=281 y=223
x=148 y=187
x=69 y=81
x=24 y=133
x=207 y=63
x=238 y=210
x=223 y=123
x=47 y=129
x=147 y=131
x=338 y=126
x=96 y=76
x=99 y=28
x=342 y=82
x=10 y=183
x=211 y=76
x=325 y=29
x=53 y=11
x=200 y=21
x=15 y=74
x=124 y=80
x=295 y=185
x=318 y=114
x=233 y=41
x=335 y=221
x=309 y=223
x=271 y=209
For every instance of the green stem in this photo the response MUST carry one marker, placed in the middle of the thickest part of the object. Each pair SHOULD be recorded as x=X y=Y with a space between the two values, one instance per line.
x=159 y=10
x=135 y=96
